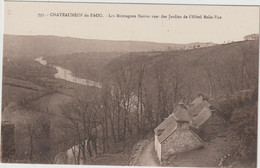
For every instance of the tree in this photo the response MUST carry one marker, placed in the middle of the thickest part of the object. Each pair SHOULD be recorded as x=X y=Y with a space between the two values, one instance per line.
x=141 y=68
x=244 y=75
x=32 y=128
x=209 y=69
x=162 y=93
x=81 y=120
x=123 y=82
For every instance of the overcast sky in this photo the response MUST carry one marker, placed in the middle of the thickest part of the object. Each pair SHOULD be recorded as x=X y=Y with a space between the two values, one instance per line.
x=21 y=18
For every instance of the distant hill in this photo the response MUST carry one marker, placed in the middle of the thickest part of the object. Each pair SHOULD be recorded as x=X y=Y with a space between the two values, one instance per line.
x=34 y=46
x=211 y=70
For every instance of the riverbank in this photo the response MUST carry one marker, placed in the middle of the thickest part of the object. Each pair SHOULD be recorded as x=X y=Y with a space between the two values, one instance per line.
x=67 y=75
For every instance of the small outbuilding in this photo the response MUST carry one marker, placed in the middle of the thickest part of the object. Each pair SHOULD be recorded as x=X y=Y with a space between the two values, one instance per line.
x=201 y=118
x=208 y=124
x=173 y=135
x=205 y=120
x=199 y=107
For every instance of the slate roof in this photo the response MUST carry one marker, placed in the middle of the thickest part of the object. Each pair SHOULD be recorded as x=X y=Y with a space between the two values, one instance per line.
x=197 y=101
x=167 y=132
x=203 y=116
x=196 y=109
x=169 y=125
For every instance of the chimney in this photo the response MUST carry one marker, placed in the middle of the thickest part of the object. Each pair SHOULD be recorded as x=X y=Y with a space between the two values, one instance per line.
x=182 y=118
x=181 y=104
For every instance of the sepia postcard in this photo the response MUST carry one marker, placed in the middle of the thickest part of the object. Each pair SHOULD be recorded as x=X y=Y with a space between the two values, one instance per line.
x=124 y=84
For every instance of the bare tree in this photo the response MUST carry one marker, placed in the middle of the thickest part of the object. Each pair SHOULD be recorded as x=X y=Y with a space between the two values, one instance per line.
x=162 y=93
x=141 y=68
x=32 y=129
x=123 y=80
x=244 y=74
x=209 y=70
x=81 y=119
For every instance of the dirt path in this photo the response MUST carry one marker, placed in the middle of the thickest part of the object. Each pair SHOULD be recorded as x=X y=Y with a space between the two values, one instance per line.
x=147 y=156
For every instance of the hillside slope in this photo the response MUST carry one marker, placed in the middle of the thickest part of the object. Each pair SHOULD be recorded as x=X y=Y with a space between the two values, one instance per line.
x=35 y=46
x=212 y=70
x=226 y=74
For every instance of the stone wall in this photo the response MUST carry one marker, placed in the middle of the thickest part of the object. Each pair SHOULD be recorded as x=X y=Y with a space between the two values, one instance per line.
x=157 y=146
x=179 y=141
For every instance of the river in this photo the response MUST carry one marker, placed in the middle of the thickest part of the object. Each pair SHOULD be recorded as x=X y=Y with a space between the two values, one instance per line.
x=67 y=75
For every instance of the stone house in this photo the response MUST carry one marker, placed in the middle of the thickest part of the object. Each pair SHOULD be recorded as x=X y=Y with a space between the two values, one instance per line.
x=208 y=124
x=173 y=135
x=205 y=120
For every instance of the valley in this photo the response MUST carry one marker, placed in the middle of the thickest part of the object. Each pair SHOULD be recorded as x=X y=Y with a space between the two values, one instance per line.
x=106 y=102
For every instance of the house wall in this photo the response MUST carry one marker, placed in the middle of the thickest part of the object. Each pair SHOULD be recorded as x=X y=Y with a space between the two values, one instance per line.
x=179 y=141
x=157 y=146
